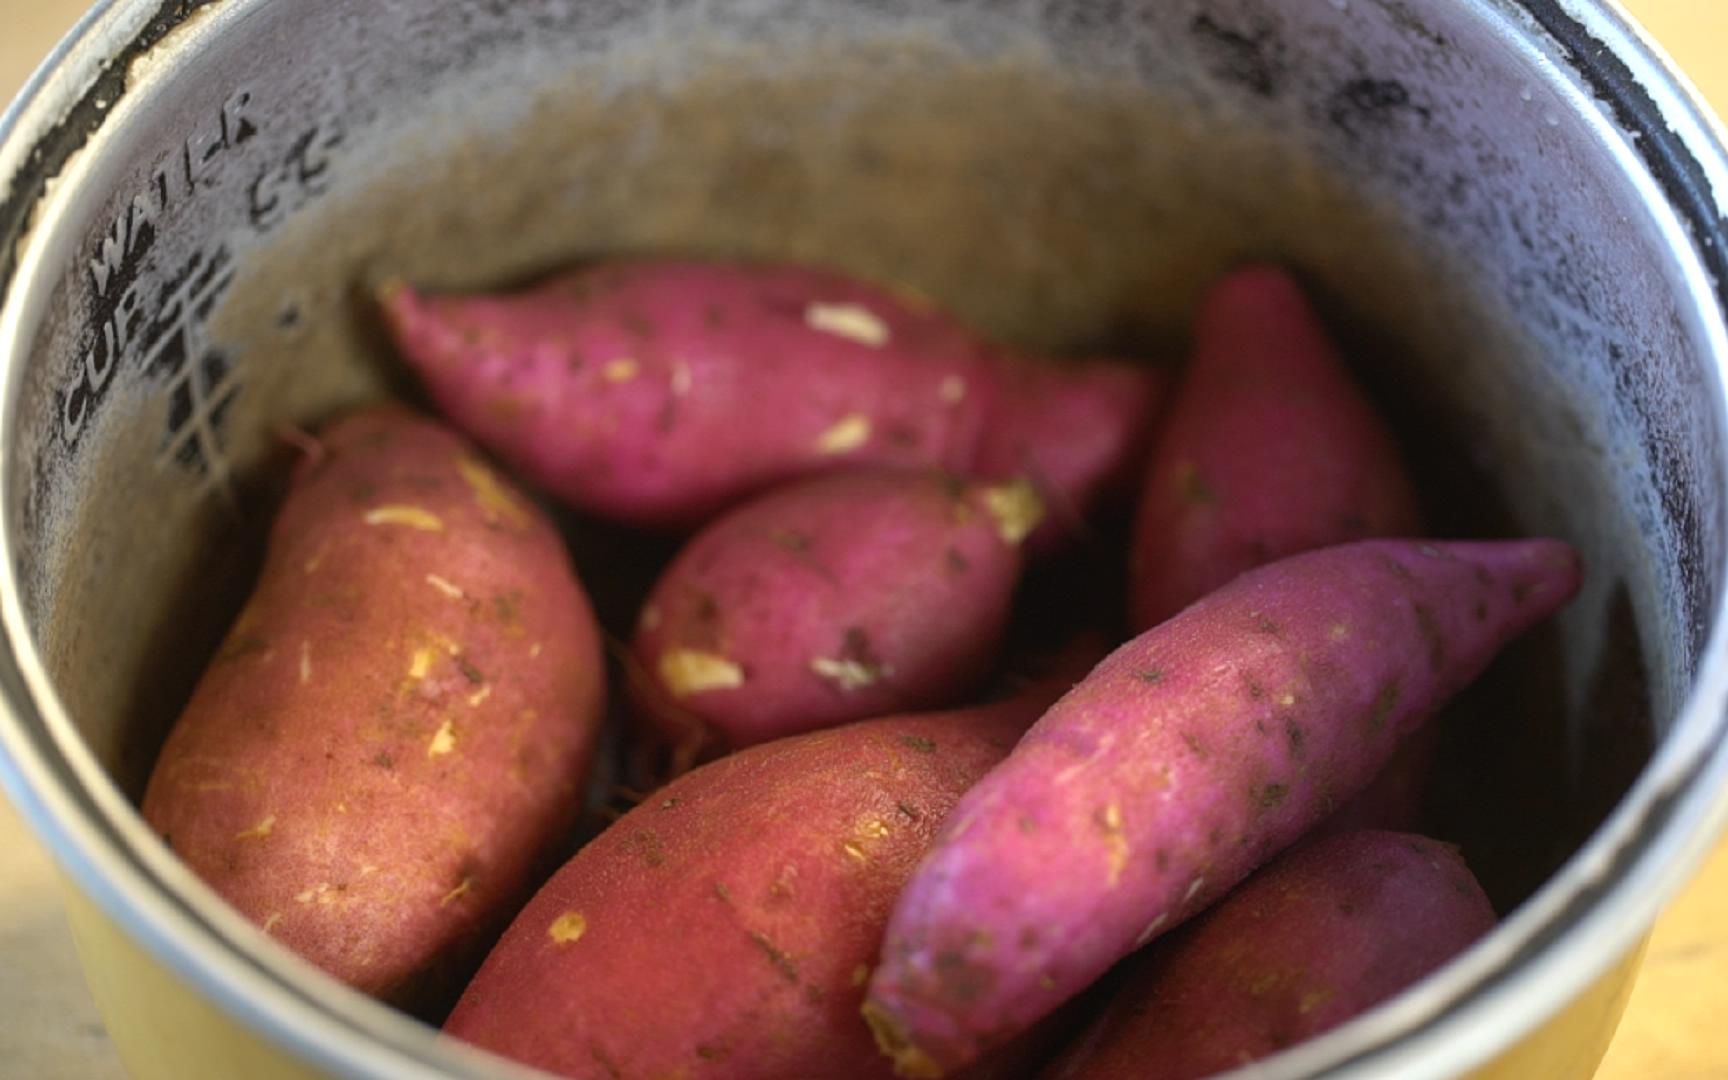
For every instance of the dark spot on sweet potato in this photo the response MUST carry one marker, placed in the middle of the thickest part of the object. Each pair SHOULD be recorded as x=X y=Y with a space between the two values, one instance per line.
x=856 y=647
x=1483 y=577
x=650 y=847
x=362 y=491
x=469 y=671
x=912 y=812
x=1481 y=611
x=1296 y=737
x=1195 y=746
x=954 y=487
x=605 y=1061
x=957 y=563
x=1192 y=487
x=1161 y=860
x=1026 y=823
x=704 y=607
x=573 y=360
x=723 y=894
x=1150 y=676
x=1260 y=727
x=1520 y=593
x=814 y=995
x=1252 y=685
x=960 y=980
x=1384 y=704
x=710 y=1052
x=1214 y=837
x=1347 y=909
x=1432 y=636
x=1265 y=625
x=918 y=743
x=1397 y=569
x=636 y=324
x=903 y=435
x=713 y=317
x=383 y=760
x=1268 y=796
x=792 y=540
x=1029 y=938
x=782 y=963
x=508 y=607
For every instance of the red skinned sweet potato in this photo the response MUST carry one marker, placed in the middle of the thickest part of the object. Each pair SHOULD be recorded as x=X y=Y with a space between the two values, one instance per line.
x=726 y=926
x=394 y=734
x=1268 y=450
x=1328 y=931
x=1189 y=757
x=841 y=597
x=660 y=392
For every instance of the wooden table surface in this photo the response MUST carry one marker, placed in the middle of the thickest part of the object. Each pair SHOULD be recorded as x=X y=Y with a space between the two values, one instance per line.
x=1673 y=1029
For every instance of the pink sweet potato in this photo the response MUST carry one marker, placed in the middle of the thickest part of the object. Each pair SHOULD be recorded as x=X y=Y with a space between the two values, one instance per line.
x=1268 y=450
x=1189 y=757
x=1330 y=930
x=393 y=736
x=841 y=597
x=726 y=926
x=660 y=392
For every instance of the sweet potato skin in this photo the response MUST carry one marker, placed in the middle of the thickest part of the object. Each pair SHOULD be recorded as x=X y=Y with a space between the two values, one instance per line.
x=1331 y=929
x=1186 y=759
x=725 y=927
x=620 y=388
x=841 y=597
x=1268 y=450
x=396 y=728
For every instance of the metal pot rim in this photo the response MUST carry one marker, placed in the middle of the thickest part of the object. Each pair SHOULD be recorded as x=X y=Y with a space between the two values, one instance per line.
x=1583 y=919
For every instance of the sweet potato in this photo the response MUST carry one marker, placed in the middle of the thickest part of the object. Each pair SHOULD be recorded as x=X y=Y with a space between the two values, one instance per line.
x=660 y=392
x=726 y=926
x=841 y=597
x=1189 y=757
x=1331 y=929
x=396 y=728
x=1268 y=450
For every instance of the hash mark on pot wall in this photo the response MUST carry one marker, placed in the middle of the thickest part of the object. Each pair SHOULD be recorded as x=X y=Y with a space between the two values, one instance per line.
x=1251 y=58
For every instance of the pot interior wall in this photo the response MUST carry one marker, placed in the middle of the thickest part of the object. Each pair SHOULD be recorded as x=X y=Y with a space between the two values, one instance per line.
x=1069 y=174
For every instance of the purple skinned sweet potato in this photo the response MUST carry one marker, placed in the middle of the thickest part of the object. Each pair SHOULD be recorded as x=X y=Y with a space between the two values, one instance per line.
x=849 y=595
x=660 y=392
x=1268 y=450
x=1331 y=929
x=1192 y=755
x=393 y=738
x=726 y=926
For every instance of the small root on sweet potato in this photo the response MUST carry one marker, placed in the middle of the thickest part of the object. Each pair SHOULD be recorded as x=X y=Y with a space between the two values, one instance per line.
x=849 y=433
x=891 y=1039
x=412 y=517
